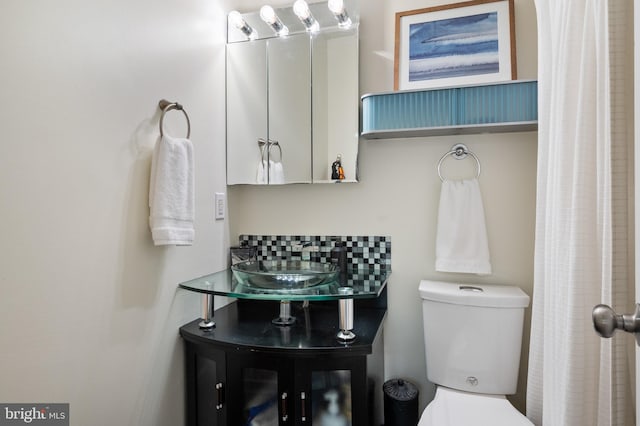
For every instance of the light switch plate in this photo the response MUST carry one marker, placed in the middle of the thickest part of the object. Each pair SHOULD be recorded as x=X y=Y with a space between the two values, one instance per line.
x=219 y=205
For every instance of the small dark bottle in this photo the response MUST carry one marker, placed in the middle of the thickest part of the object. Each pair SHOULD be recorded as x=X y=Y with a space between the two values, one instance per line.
x=339 y=258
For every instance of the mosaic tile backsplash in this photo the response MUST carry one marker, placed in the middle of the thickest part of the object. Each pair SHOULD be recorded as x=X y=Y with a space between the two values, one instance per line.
x=371 y=253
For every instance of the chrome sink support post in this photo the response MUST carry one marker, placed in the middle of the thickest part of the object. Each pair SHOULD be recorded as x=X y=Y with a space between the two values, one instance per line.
x=346 y=316
x=207 y=312
x=285 y=317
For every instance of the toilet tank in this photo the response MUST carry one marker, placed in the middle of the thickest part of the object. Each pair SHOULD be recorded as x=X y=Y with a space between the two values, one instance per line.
x=473 y=335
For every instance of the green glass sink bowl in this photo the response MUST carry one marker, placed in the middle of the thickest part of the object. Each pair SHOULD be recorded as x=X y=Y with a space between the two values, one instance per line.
x=284 y=274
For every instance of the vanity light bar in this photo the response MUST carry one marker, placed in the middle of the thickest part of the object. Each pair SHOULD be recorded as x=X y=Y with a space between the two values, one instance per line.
x=300 y=8
x=238 y=21
x=269 y=16
x=302 y=11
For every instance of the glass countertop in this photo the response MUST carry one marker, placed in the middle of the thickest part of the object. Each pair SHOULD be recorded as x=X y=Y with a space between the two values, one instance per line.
x=366 y=284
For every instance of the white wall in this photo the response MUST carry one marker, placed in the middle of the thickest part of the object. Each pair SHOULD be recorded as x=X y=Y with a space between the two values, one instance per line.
x=89 y=308
x=398 y=196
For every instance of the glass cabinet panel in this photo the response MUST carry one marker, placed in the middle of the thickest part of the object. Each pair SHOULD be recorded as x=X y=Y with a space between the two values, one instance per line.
x=331 y=398
x=260 y=397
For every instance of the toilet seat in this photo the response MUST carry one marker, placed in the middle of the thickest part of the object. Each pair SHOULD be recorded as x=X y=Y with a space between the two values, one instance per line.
x=456 y=408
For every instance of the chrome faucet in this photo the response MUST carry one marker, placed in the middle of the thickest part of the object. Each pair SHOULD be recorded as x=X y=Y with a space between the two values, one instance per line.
x=305 y=248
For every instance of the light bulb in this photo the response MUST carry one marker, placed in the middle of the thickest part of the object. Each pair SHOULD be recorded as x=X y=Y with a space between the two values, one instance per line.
x=236 y=19
x=267 y=14
x=336 y=6
x=301 y=9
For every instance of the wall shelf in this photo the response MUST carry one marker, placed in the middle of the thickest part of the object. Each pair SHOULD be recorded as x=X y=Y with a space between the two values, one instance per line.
x=490 y=108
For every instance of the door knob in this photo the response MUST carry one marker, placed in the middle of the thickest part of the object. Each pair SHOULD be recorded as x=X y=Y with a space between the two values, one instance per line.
x=606 y=321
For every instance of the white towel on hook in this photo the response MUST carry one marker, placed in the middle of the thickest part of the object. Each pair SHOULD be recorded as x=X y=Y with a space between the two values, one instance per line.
x=461 y=241
x=276 y=173
x=272 y=174
x=261 y=172
x=171 y=192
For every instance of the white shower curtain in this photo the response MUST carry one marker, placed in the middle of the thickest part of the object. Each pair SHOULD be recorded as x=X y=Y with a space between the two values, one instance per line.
x=575 y=377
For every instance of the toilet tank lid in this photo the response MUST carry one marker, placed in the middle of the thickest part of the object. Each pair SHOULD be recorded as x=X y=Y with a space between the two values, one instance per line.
x=495 y=296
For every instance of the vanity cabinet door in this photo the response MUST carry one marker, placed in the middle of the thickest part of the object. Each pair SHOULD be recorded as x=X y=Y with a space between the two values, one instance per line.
x=262 y=391
x=332 y=391
x=206 y=387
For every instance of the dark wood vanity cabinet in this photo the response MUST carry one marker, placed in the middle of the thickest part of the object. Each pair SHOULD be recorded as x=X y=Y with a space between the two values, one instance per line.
x=206 y=382
x=247 y=371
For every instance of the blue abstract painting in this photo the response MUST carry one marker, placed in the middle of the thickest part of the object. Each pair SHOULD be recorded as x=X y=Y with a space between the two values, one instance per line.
x=454 y=47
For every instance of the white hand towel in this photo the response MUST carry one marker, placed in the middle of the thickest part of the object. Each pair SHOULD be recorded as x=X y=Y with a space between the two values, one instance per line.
x=261 y=172
x=276 y=173
x=171 y=192
x=461 y=241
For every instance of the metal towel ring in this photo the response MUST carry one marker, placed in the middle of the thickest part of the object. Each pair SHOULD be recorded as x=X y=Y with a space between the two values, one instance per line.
x=265 y=145
x=459 y=152
x=167 y=106
x=276 y=143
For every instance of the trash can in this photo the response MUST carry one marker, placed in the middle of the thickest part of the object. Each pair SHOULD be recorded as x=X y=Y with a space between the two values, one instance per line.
x=400 y=403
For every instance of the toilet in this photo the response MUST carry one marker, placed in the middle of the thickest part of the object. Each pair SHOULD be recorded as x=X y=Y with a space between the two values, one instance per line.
x=472 y=338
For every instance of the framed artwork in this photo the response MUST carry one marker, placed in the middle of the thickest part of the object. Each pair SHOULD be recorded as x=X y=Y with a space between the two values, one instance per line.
x=466 y=43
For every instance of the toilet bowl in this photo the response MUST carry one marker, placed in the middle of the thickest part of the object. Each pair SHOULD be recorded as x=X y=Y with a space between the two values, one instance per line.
x=451 y=407
x=473 y=338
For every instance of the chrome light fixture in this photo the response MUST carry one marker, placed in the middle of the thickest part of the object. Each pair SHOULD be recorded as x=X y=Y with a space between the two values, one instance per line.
x=238 y=21
x=339 y=11
x=269 y=16
x=302 y=11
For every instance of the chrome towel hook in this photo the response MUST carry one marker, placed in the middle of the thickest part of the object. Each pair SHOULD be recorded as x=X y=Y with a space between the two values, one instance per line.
x=265 y=146
x=167 y=106
x=459 y=152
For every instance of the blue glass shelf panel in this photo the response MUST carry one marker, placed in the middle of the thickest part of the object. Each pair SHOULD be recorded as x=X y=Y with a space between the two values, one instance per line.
x=498 y=107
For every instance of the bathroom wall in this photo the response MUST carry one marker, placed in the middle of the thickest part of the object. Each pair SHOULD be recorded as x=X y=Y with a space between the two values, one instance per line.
x=398 y=196
x=89 y=308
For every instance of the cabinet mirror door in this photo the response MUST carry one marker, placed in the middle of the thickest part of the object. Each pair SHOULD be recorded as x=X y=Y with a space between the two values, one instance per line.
x=289 y=112
x=269 y=111
x=246 y=109
x=335 y=104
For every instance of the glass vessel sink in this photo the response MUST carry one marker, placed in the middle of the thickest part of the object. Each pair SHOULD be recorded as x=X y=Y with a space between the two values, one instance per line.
x=284 y=274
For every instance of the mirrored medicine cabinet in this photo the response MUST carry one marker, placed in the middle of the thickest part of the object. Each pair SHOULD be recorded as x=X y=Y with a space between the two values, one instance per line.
x=292 y=100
